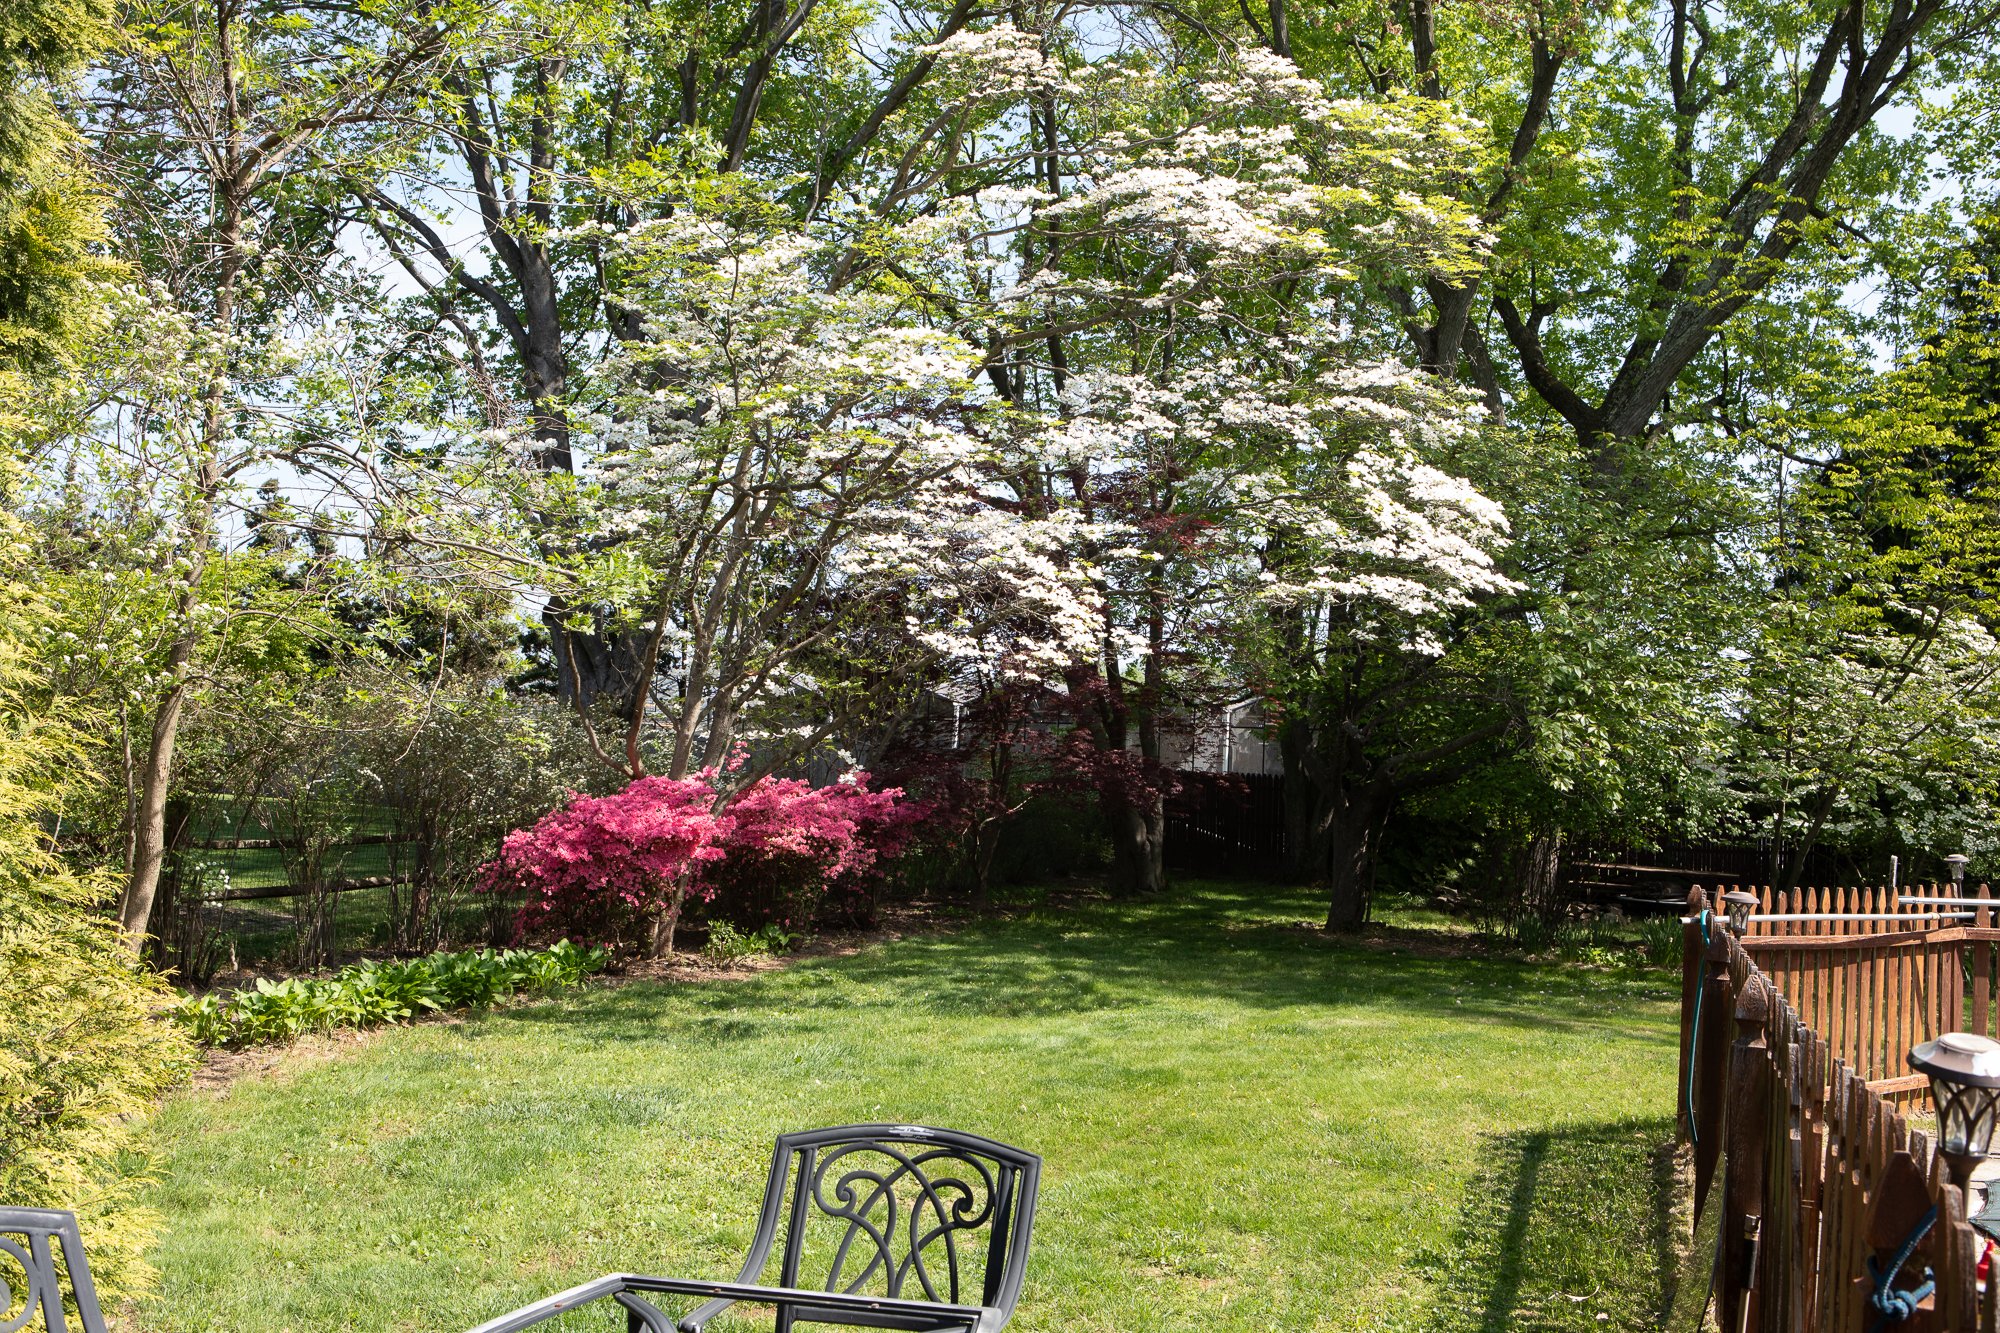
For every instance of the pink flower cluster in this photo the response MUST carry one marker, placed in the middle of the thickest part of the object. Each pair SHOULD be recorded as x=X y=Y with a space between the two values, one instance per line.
x=597 y=867
x=842 y=828
x=600 y=868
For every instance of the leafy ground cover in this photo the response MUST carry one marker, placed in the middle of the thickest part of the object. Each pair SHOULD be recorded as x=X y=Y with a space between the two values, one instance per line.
x=1247 y=1126
x=370 y=993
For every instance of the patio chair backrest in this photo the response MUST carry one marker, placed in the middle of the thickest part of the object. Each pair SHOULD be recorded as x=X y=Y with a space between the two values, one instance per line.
x=899 y=1210
x=31 y=1241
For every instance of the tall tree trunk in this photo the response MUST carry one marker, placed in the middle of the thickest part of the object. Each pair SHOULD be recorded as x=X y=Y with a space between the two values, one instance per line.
x=149 y=838
x=1351 y=840
x=1136 y=813
x=423 y=886
x=1535 y=868
x=593 y=665
x=1138 y=830
x=1795 y=866
x=985 y=849
x=665 y=925
x=1303 y=858
x=149 y=841
x=1132 y=802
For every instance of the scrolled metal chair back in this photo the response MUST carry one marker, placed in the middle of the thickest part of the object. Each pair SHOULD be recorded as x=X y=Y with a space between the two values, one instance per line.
x=902 y=1210
x=32 y=1240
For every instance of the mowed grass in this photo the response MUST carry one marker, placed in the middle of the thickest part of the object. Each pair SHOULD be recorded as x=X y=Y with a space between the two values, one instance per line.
x=1246 y=1125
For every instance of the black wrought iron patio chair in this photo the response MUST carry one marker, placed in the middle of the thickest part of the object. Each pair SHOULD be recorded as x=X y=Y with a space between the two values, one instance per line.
x=28 y=1257
x=884 y=1226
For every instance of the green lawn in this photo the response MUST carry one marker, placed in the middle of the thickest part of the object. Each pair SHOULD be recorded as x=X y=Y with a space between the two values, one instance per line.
x=1246 y=1126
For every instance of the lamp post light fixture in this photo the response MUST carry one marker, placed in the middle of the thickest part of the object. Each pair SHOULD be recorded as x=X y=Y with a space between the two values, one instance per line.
x=1738 y=905
x=1964 y=1070
x=1955 y=863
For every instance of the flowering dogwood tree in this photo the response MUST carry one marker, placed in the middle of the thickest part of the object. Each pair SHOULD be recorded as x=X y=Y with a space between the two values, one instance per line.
x=1173 y=301
x=786 y=473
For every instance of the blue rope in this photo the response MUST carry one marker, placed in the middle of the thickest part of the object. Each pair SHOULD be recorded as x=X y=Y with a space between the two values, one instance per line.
x=1890 y=1305
x=1694 y=1034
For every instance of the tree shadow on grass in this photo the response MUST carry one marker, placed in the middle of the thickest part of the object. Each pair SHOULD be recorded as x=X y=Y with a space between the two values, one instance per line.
x=1235 y=942
x=1568 y=1227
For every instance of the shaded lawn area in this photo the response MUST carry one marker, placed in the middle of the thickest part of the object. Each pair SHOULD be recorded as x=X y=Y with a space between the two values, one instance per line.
x=1246 y=1126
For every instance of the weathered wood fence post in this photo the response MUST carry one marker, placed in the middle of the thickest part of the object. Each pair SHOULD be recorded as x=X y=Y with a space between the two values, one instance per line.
x=1717 y=1003
x=1743 y=1181
x=1693 y=952
x=1895 y=1214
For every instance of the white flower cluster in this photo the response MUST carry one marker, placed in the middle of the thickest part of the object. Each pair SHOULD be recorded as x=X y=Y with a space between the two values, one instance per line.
x=989 y=590
x=1000 y=63
x=1272 y=466
x=1418 y=543
x=771 y=430
x=1233 y=218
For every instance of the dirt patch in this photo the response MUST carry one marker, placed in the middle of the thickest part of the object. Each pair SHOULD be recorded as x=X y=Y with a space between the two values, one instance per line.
x=220 y=1069
x=893 y=923
x=1422 y=943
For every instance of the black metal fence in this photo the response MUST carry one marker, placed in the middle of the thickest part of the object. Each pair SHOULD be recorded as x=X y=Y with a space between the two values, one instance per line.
x=1234 y=824
x=1227 y=824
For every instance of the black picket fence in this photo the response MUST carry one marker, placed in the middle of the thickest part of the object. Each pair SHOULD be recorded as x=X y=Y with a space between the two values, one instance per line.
x=1227 y=824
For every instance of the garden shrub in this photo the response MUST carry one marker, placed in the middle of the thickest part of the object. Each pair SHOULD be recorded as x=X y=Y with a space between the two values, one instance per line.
x=369 y=994
x=618 y=870
x=1660 y=940
x=726 y=943
x=84 y=1046
x=612 y=870
x=791 y=847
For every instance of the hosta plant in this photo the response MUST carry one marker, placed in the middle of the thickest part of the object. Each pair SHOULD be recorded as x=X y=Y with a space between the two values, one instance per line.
x=369 y=994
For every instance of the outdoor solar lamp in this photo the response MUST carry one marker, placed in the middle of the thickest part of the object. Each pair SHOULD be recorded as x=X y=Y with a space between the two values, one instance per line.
x=1956 y=864
x=1964 y=1070
x=1738 y=905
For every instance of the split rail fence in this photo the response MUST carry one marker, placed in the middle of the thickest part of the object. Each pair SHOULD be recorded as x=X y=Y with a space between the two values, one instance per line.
x=1795 y=1091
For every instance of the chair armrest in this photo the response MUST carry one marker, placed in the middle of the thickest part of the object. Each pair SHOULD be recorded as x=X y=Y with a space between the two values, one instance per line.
x=934 y=1313
x=550 y=1306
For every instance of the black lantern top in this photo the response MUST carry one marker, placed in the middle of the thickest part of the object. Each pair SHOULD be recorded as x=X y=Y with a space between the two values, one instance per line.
x=1964 y=1070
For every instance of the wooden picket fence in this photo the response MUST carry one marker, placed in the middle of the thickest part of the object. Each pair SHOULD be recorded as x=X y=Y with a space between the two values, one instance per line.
x=1793 y=1086
x=1875 y=988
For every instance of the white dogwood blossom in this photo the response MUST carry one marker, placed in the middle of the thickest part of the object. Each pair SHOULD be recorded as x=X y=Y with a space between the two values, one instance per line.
x=938 y=435
x=1291 y=506
x=783 y=468
x=1000 y=62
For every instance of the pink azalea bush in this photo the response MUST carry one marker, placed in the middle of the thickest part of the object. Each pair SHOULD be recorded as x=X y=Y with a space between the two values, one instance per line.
x=612 y=869
x=619 y=869
x=793 y=845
